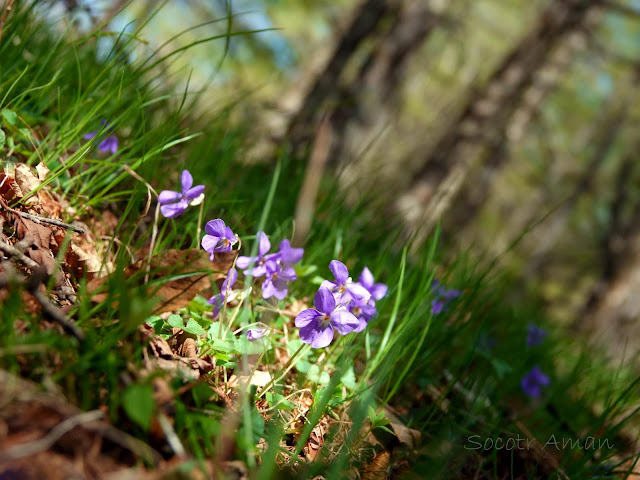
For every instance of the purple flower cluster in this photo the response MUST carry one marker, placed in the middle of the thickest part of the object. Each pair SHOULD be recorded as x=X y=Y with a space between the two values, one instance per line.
x=443 y=297
x=109 y=144
x=174 y=204
x=340 y=305
x=277 y=268
x=533 y=382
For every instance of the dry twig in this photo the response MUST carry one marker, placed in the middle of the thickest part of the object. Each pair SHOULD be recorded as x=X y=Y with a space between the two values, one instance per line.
x=17 y=255
x=32 y=285
x=50 y=221
x=46 y=442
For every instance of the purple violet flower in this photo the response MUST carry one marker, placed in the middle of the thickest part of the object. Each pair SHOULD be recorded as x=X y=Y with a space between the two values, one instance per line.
x=256 y=333
x=377 y=290
x=533 y=382
x=226 y=294
x=275 y=285
x=220 y=238
x=109 y=144
x=276 y=266
x=365 y=311
x=443 y=297
x=317 y=324
x=259 y=268
x=289 y=255
x=535 y=335
x=279 y=270
x=343 y=288
x=173 y=203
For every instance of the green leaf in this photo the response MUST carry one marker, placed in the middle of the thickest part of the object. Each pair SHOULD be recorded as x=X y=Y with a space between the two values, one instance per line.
x=25 y=132
x=137 y=401
x=175 y=321
x=293 y=346
x=501 y=368
x=10 y=116
x=2 y=138
x=199 y=305
x=193 y=328
x=224 y=346
x=225 y=363
x=201 y=394
x=315 y=375
x=257 y=428
x=305 y=270
x=378 y=420
x=303 y=366
x=349 y=379
x=371 y=412
x=156 y=322
x=280 y=401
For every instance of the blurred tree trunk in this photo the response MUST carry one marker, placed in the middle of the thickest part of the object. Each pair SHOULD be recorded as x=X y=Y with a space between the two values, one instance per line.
x=316 y=92
x=366 y=20
x=357 y=84
x=366 y=103
x=483 y=122
x=610 y=314
x=476 y=189
x=361 y=106
x=605 y=133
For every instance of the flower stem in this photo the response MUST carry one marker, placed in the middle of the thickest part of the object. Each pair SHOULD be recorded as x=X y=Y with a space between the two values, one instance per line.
x=198 y=229
x=152 y=245
x=287 y=367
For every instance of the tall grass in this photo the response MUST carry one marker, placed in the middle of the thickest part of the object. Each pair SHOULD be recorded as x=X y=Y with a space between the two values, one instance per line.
x=450 y=376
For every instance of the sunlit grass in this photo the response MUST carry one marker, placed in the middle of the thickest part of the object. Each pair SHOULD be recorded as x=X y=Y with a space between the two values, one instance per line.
x=451 y=376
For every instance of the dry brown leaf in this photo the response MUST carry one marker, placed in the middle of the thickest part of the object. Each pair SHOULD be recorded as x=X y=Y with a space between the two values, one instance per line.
x=377 y=469
x=259 y=378
x=163 y=357
x=26 y=182
x=105 y=225
x=84 y=263
x=316 y=439
x=44 y=246
x=406 y=435
x=177 y=293
x=8 y=187
x=189 y=349
x=43 y=171
x=296 y=307
x=29 y=413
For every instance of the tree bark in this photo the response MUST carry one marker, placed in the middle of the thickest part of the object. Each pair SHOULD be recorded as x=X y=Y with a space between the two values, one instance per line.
x=365 y=105
x=610 y=314
x=606 y=132
x=484 y=119
x=365 y=21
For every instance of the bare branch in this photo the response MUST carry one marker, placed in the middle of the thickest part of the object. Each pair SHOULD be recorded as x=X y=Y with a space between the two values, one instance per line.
x=50 y=221
x=32 y=285
x=46 y=442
